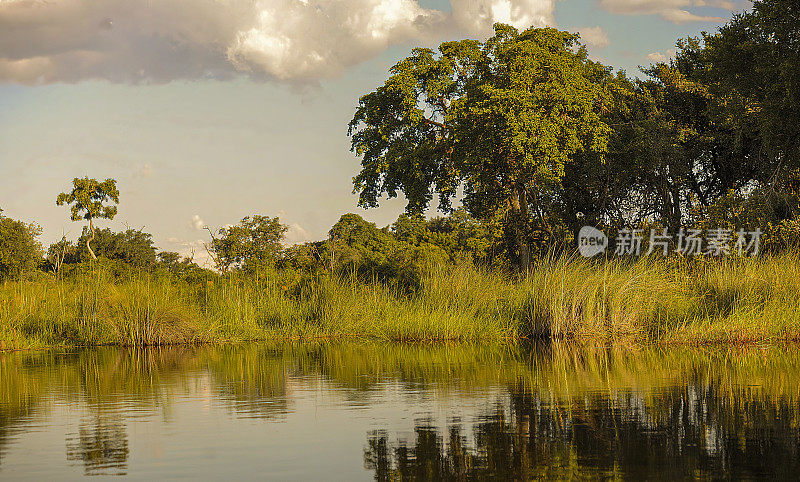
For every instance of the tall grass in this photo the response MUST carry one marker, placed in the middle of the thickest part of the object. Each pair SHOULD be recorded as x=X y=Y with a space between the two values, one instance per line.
x=94 y=309
x=645 y=300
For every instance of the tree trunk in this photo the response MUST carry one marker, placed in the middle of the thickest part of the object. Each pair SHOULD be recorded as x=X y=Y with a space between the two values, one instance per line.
x=333 y=250
x=676 y=207
x=91 y=228
x=519 y=207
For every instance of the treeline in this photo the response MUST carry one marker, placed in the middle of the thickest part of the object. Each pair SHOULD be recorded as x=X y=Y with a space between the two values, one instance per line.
x=22 y=254
x=398 y=252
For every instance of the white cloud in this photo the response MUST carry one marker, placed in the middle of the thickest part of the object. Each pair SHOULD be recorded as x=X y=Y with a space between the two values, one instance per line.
x=476 y=17
x=683 y=16
x=197 y=222
x=296 y=234
x=670 y=10
x=594 y=36
x=658 y=57
x=193 y=249
x=297 y=41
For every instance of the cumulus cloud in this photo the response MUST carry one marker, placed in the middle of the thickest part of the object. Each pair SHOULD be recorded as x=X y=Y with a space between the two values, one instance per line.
x=296 y=41
x=658 y=57
x=672 y=10
x=197 y=222
x=296 y=234
x=594 y=36
x=476 y=17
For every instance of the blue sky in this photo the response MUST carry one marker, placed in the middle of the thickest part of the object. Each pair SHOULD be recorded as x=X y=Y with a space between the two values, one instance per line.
x=207 y=111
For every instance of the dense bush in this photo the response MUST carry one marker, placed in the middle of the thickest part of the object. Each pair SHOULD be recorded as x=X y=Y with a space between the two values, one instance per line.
x=774 y=209
x=20 y=252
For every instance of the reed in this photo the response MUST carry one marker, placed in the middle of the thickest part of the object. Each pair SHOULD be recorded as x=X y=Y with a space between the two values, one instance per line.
x=681 y=301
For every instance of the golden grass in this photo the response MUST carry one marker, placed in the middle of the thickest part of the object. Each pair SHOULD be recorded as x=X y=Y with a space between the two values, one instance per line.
x=646 y=300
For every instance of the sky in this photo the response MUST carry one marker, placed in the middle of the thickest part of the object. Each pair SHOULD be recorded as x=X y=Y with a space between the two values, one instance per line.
x=206 y=111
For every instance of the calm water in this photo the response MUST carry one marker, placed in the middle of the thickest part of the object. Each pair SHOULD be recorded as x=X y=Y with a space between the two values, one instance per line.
x=354 y=411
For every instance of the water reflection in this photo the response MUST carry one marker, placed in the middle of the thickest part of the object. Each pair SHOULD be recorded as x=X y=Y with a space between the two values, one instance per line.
x=686 y=434
x=589 y=414
x=101 y=446
x=544 y=411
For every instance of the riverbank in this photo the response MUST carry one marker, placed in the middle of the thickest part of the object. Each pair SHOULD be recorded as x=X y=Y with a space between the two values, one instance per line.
x=678 y=301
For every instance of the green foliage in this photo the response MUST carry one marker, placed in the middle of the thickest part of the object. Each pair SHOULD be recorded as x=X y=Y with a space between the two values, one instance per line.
x=306 y=257
x=59 y=253
x=775 y=210
x=20 y=252
x=501 y=119
x=360 y=247
x=168 y=258
x=399 y=253
x=516 y=107
x=185 y=269
x=251 y=245
x=718 y=122
x=88 y=199
x=132 y=246
x=359 y=243
x=123 y=255
x=403 y=252
x=465 y=238
x=715 y=125
x=751 y=64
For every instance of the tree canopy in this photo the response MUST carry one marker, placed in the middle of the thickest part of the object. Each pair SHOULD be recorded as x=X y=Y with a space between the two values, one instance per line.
x=500 y=119
x=252 y=244
x=20 y=252
x=132 y=246
x=88 y=200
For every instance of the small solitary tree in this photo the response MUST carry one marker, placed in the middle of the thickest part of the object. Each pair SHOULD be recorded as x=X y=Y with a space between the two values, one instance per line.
x=88 y=200
x=252 y=244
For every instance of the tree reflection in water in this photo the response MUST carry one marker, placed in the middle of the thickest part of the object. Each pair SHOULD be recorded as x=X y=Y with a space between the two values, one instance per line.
x=102 y=447
x=685 y=432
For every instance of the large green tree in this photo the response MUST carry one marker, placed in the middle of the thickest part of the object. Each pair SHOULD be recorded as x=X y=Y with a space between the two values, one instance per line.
x=752 y=64
x=499 y=119
x=89 y=200
x=720 y=119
